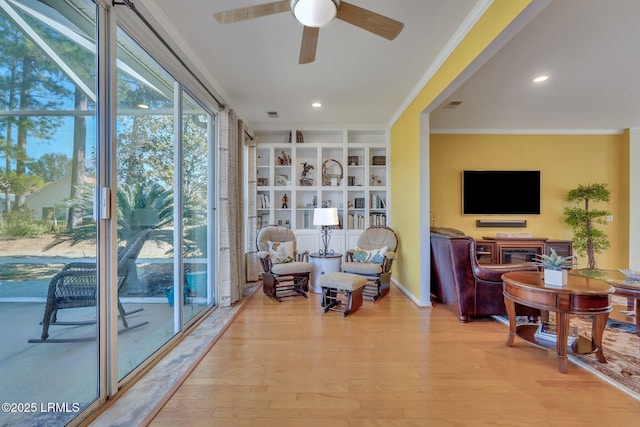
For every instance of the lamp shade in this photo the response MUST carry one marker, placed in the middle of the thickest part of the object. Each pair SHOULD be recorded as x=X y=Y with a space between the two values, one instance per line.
x=325 y=216
x=314 y=13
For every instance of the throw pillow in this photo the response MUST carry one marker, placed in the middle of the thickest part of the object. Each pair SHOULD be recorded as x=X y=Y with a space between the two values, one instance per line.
x=375 y=256
x=281 y=252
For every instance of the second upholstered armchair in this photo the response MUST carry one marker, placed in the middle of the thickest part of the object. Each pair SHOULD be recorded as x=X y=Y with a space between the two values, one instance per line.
x=372 y=258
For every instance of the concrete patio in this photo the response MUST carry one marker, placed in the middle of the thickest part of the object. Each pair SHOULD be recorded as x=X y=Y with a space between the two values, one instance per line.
x=67 y=372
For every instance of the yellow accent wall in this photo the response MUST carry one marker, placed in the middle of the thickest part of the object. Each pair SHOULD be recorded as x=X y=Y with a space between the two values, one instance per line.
x=565 y=161
x=406 y=169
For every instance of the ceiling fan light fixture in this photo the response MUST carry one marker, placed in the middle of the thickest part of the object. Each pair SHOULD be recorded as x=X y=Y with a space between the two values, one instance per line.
x=315 y=13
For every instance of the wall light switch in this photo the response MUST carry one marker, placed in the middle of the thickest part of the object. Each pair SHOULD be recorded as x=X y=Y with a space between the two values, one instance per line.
x=609 y=218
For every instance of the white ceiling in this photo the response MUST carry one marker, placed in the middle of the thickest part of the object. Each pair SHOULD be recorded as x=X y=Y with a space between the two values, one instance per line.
x=589 y=48
x=591 y=51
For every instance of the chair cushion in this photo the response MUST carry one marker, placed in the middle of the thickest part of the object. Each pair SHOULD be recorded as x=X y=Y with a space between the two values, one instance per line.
x=375 y=256
x=281 y=252
x=362 y=268
x=343 y=281
x=295 y=267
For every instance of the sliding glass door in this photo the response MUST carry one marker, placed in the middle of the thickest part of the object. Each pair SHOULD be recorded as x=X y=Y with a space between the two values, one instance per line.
x=49 y=354
x=80 y=162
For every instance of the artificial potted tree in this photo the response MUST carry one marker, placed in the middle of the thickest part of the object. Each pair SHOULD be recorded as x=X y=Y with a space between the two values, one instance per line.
x=587 y=239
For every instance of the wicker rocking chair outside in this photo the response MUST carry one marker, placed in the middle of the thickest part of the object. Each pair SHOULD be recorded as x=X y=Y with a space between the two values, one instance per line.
x=76 y=286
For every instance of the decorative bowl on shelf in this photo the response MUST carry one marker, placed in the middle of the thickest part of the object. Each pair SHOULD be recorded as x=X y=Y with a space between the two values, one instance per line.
x=631 y=274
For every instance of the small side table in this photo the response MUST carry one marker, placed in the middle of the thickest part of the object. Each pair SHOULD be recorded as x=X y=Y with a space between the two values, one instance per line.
x=321 y=265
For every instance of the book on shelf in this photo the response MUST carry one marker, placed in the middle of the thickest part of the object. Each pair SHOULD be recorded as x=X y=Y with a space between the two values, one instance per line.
x=306 y=219
x=377 y=219
x=547 y=332
x=262 y=221
x=263 y=201
x=379 y=161
x=377 y=202
x=355 y=222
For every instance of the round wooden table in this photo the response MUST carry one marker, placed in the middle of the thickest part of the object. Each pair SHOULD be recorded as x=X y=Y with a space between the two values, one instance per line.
x=581 y=296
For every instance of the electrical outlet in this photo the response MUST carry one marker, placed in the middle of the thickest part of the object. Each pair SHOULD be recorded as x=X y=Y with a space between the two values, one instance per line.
x=609 y=218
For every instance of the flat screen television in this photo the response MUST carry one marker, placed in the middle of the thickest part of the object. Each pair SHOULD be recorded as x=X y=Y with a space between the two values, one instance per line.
x=500 y=192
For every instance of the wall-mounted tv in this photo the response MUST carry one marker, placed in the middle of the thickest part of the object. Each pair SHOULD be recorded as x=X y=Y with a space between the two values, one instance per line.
x=500 y=192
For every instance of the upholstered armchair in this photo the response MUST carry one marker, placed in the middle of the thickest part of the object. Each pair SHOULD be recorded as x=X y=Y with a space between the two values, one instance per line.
x=457 y=279
x=373 y=256
x=285 y=269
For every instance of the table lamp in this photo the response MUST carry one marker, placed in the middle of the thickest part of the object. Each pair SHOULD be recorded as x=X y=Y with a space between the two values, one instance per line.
x=325 y=217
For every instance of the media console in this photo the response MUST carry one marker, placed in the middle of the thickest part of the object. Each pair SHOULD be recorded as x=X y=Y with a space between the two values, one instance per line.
x=510 y=250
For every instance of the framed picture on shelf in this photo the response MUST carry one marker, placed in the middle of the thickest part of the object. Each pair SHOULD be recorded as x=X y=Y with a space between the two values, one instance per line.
x=354 y=160
x=281 y=180
x=263 y=182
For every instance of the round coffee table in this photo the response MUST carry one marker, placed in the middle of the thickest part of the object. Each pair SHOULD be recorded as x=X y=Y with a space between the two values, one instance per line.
x=581 y=296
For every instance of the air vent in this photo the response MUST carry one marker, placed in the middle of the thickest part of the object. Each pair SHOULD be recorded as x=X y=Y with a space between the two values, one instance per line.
x=452 y=104
x=272 y=114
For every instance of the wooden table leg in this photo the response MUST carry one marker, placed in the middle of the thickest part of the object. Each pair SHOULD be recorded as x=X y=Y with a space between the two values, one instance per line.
x=511 y=313
x=562 y=325
x=597 y=331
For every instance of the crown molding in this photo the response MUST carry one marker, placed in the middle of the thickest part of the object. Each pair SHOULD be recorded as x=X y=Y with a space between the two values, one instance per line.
x=528 y=131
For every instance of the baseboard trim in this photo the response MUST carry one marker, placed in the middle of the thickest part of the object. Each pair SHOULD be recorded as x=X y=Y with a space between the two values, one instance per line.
x=416 y=301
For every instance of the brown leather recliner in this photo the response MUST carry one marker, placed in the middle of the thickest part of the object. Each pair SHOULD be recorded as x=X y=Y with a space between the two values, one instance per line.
x=458 y=279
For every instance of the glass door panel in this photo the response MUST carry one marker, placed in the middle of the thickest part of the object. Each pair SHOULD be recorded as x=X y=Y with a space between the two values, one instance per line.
x=196 y=173
x=48 y=275
x=145 y=198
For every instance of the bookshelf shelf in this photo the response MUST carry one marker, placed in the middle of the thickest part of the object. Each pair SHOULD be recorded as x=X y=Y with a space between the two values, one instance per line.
x=342 y=168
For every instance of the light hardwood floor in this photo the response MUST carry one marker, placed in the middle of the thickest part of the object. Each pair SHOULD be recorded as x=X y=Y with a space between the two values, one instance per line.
x=389 y=364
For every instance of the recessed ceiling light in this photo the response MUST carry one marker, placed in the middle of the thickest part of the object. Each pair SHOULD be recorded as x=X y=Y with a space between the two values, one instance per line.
x=540 y=79
x=316 y=105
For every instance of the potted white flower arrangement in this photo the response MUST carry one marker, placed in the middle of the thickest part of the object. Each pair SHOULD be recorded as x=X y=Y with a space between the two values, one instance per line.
x=555 y=267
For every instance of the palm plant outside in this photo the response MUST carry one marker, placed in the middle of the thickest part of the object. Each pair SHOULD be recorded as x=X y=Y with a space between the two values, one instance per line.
x=133 y=200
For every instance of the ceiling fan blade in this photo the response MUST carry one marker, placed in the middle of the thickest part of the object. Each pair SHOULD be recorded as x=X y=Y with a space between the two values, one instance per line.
x=370 y=21
x=309 y=45
x=244 y=13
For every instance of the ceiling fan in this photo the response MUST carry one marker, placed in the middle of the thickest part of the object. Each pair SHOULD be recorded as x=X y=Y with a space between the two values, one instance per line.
x=313 y=14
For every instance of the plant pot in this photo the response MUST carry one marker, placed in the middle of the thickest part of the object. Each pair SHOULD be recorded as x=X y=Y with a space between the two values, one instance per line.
x=197 y=282
x=555 y=277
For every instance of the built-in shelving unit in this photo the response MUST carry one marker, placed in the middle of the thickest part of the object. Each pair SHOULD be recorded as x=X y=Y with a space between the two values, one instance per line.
x=346 y=169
